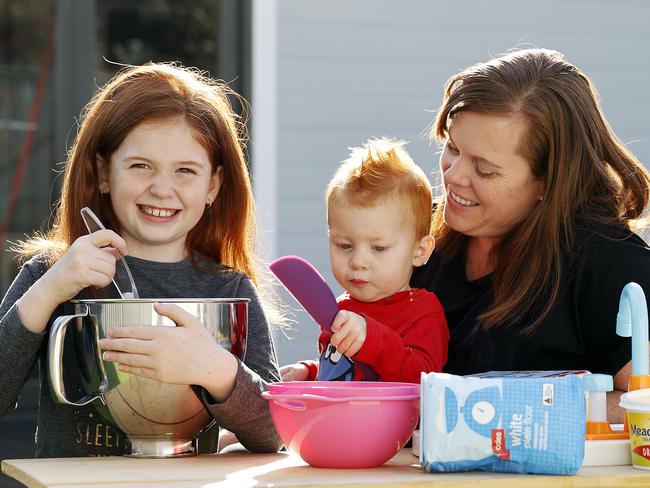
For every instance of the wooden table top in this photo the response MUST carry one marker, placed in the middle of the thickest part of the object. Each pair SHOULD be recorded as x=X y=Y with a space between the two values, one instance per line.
x=245 y=470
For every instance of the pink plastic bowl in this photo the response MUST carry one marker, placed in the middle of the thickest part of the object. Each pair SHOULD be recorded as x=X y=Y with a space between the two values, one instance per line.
x=345 y=425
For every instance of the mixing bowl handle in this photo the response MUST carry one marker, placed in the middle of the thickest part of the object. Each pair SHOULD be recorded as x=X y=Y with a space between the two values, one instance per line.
x=290 y=402
x=325 y=399
x=293 y=405
x=367 y=398
x=55 y=361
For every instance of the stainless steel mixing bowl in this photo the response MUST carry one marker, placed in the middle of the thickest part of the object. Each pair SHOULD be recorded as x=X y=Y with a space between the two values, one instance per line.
x=160 y=419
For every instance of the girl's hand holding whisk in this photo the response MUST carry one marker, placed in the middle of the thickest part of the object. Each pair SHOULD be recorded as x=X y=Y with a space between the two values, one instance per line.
x=89 y=262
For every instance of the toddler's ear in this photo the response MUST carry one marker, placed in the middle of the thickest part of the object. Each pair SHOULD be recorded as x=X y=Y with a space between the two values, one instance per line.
x=423 y=249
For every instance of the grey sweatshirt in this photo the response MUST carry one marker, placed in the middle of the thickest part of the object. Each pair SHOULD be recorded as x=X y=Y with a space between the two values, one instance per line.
x=65 y=431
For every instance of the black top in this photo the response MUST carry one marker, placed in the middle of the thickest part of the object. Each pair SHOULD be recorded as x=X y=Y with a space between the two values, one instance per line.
x=579 y=333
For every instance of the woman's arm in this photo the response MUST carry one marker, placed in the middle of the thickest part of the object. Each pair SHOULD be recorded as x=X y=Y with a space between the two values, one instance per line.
x=616 y=414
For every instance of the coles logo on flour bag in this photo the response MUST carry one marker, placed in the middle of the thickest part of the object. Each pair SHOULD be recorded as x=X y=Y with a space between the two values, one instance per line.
x=507 y=424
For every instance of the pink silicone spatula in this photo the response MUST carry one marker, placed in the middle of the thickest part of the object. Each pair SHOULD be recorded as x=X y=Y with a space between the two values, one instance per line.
x=311 y=290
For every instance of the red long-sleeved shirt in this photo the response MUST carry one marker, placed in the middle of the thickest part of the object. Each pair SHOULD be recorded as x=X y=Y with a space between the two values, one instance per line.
x=406 y=334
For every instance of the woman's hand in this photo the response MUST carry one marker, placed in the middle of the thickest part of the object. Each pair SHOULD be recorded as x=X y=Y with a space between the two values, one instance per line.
x=88 y=262
x=348 y=332
x=185 y=355
x=294 y=372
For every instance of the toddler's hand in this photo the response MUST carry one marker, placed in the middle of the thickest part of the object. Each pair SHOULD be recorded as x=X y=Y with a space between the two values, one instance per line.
x=88 y=262
x=348 y=332
x=294 y=372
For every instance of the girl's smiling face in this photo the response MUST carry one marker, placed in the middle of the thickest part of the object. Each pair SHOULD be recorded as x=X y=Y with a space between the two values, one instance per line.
x=160 y=180
x=488 y=183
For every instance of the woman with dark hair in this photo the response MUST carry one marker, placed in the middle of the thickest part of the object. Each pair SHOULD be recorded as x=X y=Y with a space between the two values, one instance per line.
x=533 y=227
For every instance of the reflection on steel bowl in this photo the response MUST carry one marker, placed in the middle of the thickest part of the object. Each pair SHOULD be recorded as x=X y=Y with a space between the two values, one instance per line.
x=160 y=419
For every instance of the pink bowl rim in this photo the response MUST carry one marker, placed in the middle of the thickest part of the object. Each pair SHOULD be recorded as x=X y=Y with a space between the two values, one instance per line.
x=364 y=398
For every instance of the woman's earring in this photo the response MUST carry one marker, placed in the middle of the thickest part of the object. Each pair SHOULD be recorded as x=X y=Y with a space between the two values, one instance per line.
x=540 y=198
x=208 y=203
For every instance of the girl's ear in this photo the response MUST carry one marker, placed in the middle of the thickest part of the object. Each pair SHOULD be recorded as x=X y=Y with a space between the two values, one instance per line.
x=215 y=185
x=102 y=175
x=423 y=250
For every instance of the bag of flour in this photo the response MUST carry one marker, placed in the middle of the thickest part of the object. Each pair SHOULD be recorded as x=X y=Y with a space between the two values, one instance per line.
x=506 y=424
